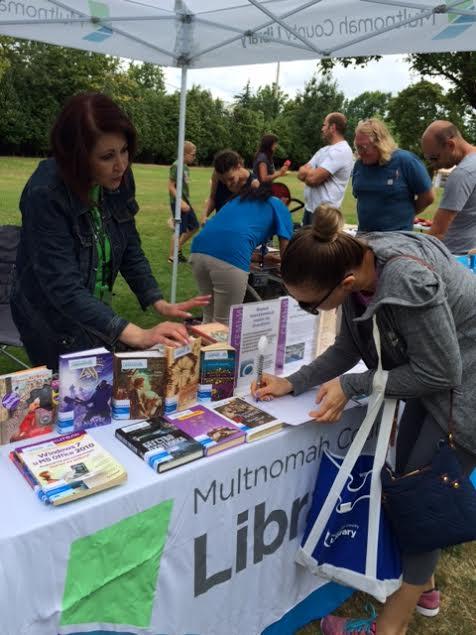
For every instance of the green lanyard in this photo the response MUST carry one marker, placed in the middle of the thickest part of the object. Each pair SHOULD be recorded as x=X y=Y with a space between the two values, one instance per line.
x=102 y=286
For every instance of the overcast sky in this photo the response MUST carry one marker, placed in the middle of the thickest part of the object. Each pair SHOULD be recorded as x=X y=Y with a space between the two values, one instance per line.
x=391 y=74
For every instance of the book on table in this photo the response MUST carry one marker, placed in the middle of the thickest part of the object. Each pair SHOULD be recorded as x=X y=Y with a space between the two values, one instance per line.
x=85 y=390
x=160 y=443
x=26 y=404
x=217 y=372
x=210 y=429
x=67 y=467
x=255 y=422
x=183 y=369
x=140 y=379
x=210 y=332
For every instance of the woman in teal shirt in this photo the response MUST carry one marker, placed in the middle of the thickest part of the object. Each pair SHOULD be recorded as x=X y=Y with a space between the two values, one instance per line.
x=221 y=252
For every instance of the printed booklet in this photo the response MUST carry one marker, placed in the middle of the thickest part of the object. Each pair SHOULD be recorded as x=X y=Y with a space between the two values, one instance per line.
x=213 y=431
x=68 y=467
x=160 y=443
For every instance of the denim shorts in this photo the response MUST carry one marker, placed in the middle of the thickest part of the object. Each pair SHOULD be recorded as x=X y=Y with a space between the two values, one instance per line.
x=189 y=221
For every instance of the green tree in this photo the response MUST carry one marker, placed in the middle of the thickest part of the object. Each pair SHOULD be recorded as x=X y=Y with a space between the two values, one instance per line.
x=415 y=107
x=147 y=75
x=302 y=118
x=366 y=105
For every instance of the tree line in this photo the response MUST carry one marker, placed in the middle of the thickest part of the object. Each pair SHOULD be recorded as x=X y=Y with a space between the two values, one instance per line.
x=37 y=78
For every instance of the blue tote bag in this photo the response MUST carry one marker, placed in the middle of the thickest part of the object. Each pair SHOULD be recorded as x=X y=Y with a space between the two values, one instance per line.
x=347 y=538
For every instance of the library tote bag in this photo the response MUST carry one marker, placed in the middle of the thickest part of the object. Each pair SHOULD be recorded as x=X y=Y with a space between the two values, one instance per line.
x=348 y=539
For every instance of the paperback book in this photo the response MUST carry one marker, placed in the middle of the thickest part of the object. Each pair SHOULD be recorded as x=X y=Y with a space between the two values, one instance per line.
x=85 y=390
x=256 y=423
x=67 y=467
x=211 y=430
x=26 y=404
x=217 y=372
x=139 y=384
x=210 y=333
x=160 y=443
x=183 y=367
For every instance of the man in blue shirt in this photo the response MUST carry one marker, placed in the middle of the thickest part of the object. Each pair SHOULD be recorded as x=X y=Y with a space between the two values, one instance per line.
x=391 y=185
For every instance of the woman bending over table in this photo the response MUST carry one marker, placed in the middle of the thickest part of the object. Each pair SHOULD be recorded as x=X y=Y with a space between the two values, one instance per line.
x=78 y=233
x=221 y=253
x=425 y=310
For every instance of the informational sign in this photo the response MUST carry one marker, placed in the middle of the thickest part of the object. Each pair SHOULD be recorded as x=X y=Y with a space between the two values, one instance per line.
x=291 y=334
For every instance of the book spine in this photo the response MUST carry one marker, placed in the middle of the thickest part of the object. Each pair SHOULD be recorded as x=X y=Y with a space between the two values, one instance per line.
x=121 y=408
x=123 y=438
x=25 y=472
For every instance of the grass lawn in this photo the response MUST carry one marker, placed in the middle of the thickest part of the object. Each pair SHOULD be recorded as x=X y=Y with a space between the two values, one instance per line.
x=456 y=574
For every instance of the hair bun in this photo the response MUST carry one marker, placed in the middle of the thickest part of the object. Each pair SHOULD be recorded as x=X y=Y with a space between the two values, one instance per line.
x=328 y=223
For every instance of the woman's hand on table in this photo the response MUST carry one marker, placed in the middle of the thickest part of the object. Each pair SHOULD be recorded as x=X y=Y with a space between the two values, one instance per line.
x=169 y=333
x=181 y=309
x=271 y=386
x=331 y=400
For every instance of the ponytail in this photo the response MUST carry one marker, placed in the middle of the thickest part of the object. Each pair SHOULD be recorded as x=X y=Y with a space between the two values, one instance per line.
x=322 y=254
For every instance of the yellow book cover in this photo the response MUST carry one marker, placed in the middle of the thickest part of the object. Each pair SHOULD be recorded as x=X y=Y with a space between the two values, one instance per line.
x=67 y=467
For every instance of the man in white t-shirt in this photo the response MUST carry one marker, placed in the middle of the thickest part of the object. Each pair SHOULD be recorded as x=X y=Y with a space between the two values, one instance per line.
x=328 y=172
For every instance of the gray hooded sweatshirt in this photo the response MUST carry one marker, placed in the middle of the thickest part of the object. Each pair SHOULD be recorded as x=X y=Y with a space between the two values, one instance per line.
x=427 y=321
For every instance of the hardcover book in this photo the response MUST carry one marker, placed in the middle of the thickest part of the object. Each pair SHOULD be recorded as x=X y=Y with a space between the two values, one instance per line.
x=67 y=467
x=183 y=366
x=85 y=390
x=214 y=432
x=256 y=423
x=217 y=372
x=26 y=404
x=139 y=384
x=160 y=443
x=211 y=332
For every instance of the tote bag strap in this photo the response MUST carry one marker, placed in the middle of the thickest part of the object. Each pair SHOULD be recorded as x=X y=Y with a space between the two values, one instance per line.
x=376 y=400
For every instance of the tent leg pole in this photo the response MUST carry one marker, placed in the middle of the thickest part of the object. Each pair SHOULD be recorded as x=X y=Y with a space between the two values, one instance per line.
x=180 y=145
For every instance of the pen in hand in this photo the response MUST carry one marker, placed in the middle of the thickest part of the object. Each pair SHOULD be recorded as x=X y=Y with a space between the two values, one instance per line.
x=262 y=344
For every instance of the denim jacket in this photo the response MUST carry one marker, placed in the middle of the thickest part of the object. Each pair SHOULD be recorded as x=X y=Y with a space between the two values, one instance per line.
x=52 y=302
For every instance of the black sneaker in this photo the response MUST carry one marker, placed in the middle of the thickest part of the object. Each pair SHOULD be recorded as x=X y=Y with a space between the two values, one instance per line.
x=181 y=257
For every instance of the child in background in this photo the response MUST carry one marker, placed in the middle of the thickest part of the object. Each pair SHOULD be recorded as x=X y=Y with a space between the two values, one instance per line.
x=189 y=223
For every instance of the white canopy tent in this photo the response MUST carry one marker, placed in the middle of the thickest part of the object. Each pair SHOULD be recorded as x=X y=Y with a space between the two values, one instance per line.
x=208 y=33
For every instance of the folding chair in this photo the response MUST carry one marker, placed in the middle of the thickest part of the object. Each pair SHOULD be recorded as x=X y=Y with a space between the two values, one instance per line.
x=9 y=336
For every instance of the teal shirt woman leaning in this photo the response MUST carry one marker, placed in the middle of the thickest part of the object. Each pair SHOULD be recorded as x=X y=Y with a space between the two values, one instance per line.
x=221 y=253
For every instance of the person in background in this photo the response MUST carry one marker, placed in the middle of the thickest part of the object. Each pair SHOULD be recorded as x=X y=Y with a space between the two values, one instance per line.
x=425 y=310
x=454 y=221
x=223 y=189
x=78 y=233
x=221 y=253
x=391 y=185
x=263 y=163
x=189 y=224
x=326 y=175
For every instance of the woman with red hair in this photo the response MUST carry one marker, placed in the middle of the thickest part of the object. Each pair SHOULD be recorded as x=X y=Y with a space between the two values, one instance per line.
x=78 y=233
